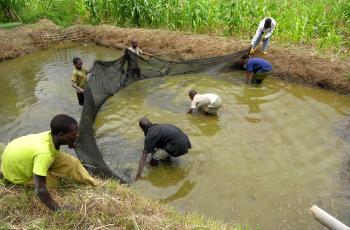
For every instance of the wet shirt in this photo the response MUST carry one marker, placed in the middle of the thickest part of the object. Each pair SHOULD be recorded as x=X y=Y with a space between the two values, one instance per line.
x=131 y=58
x=203 y=99
x=258 y=65
x=26 y=155
x=167 y=137
x=137 y=50
x=79 y=77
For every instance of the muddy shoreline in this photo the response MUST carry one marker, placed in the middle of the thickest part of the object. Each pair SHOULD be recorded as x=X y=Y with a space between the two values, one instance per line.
x=291 y=64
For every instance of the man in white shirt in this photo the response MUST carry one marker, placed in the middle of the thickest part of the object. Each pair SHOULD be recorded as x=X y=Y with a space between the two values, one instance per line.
x=208 y=102
x=266 y=26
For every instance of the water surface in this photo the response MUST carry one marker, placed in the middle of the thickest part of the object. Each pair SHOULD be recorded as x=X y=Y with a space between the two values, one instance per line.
x=272 y=151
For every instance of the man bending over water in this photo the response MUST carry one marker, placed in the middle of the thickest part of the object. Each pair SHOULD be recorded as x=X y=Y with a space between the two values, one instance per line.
x=208 y=102
x=162 y=141
x=37 y=159
x=257 y=69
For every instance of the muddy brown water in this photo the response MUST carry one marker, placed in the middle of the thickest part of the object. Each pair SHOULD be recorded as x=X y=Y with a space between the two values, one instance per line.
x=272 y=151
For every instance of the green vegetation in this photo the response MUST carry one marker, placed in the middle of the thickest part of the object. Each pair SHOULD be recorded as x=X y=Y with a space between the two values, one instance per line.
x=324 y=23
x=108 y=206
x=10 y=25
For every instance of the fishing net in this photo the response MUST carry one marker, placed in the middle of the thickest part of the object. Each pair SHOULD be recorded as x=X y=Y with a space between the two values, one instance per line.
x=107 y=77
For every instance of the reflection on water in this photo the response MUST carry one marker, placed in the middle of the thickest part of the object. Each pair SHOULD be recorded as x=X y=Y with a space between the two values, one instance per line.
x=272 y=151
x=183 y=191
x=170 y=170
x=208 y=125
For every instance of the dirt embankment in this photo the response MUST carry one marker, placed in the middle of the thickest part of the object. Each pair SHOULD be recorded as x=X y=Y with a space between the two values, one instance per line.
x=292 y=64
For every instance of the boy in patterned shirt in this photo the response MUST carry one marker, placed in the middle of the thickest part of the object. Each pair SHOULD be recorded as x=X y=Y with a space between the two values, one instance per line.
x=79 y=78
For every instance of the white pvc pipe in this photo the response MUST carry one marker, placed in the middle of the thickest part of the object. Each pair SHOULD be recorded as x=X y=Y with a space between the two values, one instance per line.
x=327 y=220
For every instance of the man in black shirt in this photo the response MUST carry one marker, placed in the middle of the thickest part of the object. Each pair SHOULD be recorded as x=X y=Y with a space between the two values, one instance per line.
x=162 y=141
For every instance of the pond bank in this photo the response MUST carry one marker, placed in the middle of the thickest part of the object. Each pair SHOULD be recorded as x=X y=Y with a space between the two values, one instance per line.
x=295 y=64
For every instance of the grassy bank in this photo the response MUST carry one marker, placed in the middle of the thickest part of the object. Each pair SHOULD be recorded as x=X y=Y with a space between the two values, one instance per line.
x=109 y=206
x=323 y=23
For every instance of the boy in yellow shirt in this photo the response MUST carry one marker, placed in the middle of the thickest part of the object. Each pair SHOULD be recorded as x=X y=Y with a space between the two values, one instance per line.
x=79 y=78
x=37 y=159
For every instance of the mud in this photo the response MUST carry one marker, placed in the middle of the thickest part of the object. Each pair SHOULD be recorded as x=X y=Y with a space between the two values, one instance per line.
x=295 y=64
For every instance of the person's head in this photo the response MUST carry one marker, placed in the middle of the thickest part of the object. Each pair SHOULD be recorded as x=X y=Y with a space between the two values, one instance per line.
x=192 y=93
x=77 y=62
x=65 y=130
x=134 y=43
x=144 y=124
x=268 y=22
x=244 y=59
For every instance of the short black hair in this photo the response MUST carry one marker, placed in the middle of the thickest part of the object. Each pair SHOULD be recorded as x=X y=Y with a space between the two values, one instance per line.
x=76 y=59
x=268 y=22
x=61 y=123
x=192 y=92
x=144 y=123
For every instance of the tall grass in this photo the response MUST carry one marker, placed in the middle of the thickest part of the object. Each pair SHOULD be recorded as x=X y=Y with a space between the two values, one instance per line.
x=324 y=23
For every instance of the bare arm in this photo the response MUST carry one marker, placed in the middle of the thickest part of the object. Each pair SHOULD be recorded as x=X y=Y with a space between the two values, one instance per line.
x=190 y=110
x=248 y=77
x=43 y=194
x=141 y=164
x=75 y=86
x=148 y=54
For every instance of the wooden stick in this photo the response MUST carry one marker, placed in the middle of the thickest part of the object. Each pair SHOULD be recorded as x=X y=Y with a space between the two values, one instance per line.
x=327 y=220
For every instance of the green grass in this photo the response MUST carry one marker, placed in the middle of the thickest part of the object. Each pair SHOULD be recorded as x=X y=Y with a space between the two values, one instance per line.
x=323 y=23
x=109 y=205
x=10 y=25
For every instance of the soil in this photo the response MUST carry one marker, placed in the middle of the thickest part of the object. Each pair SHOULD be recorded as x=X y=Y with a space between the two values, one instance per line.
x=295 y=64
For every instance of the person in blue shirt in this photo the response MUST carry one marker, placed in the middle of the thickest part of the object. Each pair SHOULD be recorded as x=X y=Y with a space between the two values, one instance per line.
x=257 y=69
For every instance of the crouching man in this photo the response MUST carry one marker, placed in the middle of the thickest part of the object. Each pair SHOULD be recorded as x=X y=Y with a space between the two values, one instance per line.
x=162 y=141
x=257 y=69
x=36 y=159
x=209 y=103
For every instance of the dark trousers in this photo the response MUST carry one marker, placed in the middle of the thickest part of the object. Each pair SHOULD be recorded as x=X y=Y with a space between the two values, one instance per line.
x=135 y=73
x=80 y=98
x=259 y=77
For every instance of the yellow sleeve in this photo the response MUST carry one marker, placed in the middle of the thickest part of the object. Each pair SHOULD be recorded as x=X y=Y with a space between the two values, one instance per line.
x=42 y=163
x=74 y=77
